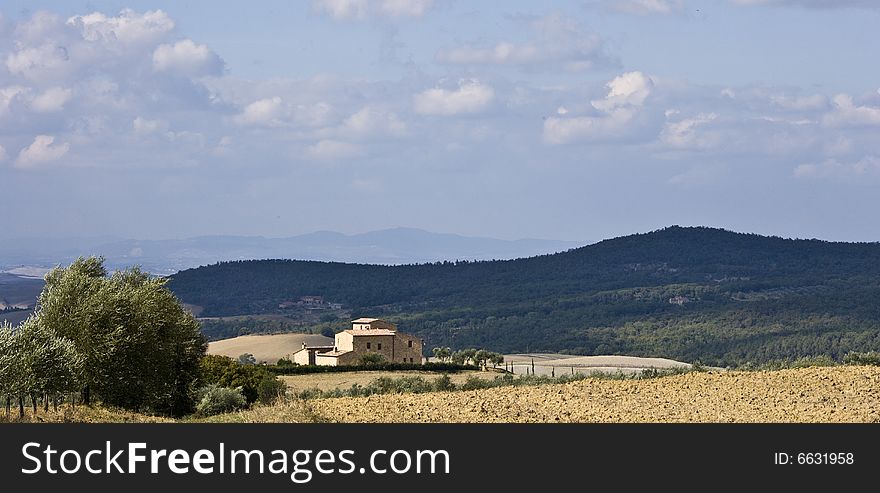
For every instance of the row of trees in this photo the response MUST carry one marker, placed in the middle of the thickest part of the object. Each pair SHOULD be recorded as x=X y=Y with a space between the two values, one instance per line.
x=478 y=357
x=34 y=363
x=124 y=338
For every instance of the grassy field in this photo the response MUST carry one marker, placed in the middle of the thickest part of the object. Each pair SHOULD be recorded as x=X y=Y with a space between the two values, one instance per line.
x=559 y=364
x=344 y=380
x=814 y=394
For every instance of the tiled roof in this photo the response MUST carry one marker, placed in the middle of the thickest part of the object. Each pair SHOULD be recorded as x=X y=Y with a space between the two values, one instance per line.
x=370 y=332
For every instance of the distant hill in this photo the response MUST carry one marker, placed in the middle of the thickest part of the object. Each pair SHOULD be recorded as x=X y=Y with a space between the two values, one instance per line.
x=392 y=246
x=681 y=293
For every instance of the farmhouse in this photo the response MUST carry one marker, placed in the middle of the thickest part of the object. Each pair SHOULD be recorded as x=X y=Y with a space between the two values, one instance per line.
x=366 y=336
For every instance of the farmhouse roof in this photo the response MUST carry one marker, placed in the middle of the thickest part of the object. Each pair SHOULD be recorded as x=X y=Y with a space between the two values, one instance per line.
x=333 y=354
x=370 y=332
x=365 y=320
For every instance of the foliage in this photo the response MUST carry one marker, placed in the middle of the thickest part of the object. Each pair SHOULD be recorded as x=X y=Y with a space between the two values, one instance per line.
x=270 y=389
x=34 y=361
x=140 y=348
x=255 y=381
x=247 y=359
x=743 y=297
x=372 y=359
x=871 y=358
x=218 y=400
x=427 y=367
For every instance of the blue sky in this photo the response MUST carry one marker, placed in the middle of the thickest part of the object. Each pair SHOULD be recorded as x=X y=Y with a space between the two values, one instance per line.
x=575 y=120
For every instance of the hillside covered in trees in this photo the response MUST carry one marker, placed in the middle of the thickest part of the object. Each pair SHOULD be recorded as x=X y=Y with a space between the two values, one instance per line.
x=683 y=293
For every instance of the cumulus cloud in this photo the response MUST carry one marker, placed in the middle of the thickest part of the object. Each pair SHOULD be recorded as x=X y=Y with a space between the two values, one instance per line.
x=370 y=122
x=626 y=95
x=685 y=133
x=362 y=9
x=188 y=58
x=867 y=167
x=42 y=150
x=471 y=96
x=128 y=27
x=821 y=4
x=52 y=100
x=847 y=114
x=559 y=42
x=264 y=112
x=642 y=7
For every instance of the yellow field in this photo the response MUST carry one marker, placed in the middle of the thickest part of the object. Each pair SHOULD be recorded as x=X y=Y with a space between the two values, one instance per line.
x=267 y=348
x=344 y=380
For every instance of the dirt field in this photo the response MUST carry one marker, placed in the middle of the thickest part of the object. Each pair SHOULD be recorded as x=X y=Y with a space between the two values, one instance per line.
x=268 y=348
x=830 y=394
x=344 y=380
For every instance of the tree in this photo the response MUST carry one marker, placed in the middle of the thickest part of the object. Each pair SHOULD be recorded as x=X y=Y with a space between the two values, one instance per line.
x=140 y=347
x=35 y=362
x=495 y=359
x=247 y=359
x=442 y=353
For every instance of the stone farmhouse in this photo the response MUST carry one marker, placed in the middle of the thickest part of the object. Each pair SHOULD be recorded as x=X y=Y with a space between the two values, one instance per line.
x=366 y=336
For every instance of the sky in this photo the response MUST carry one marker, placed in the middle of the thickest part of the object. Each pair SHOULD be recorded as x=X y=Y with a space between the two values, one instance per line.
x=572 y=120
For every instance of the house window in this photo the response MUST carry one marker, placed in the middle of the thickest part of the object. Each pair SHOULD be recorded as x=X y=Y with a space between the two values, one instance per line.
x=410 y=343
x=379 y=346
x=368 y=345
x=410 y=360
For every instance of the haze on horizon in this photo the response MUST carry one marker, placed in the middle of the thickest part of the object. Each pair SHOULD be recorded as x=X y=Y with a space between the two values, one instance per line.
x=570 y=120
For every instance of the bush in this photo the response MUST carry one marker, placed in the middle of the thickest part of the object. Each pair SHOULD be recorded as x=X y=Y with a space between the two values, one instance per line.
x=871 y=358
x=219 y=400
x=270 y=389
x=443 y=383
x=226 y=372
x=372 y=359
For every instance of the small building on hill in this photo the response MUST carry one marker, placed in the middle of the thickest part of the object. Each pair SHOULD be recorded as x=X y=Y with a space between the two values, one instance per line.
x=366 y=336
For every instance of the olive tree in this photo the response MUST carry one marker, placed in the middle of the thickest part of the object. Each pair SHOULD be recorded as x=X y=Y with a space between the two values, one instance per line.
x=140 y=347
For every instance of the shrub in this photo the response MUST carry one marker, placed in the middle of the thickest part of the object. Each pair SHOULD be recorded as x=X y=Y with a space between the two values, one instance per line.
x=219 y=400
x=871 y=358
x=372 y=359
x=443 y=383
x=270 y=389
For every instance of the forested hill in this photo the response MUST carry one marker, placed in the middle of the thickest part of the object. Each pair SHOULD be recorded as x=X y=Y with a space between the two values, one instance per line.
x=686 y=293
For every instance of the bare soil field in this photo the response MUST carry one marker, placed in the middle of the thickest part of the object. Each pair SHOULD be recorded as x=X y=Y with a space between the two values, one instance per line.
x=344 y=380
x=818 y=394
x=268 y=348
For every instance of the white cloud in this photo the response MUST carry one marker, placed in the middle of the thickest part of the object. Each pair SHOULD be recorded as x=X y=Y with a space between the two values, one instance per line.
x=684 y=134
x=143 y=127
x=333 y=150
x=471 y=96
x=847 y=114
x=42 y=150
x=38 y=62
x=371 y=121
x=129 y=27
x=867 y=167
x=3 y=154
x=559 y=42
x=824 y=4
x=802 y=103
x=188 y=58
x=626 y=95
x=643 y=7
x=265 y=112
x=52 y=100
x=362 y=9
x=9 y=94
